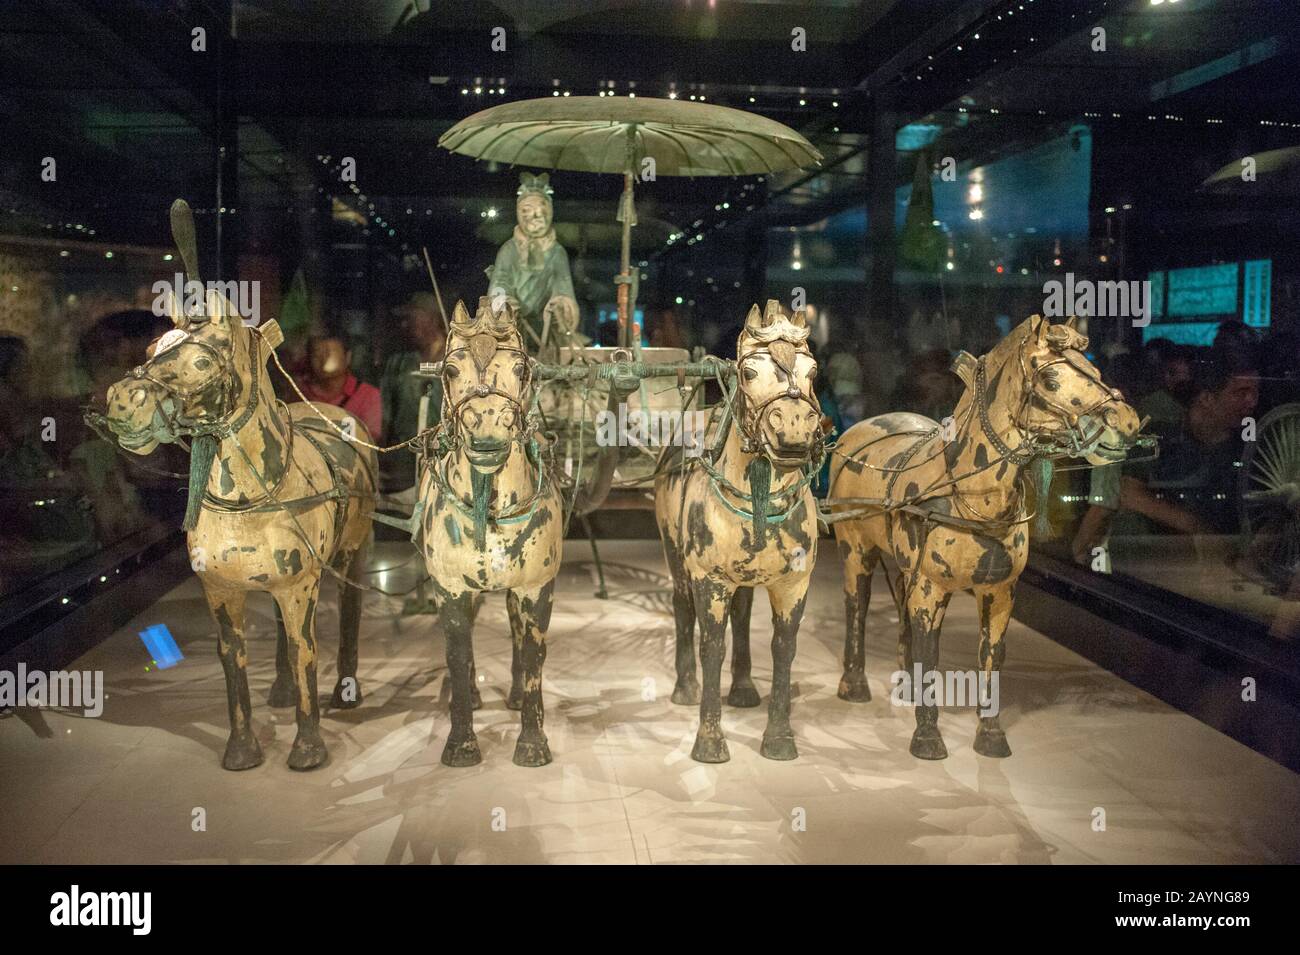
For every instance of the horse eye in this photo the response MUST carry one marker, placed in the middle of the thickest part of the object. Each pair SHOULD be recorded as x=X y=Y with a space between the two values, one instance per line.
x=453 y=371
x=812 y=373
x=1051 y=384
x=750 y=374
x=519 y=370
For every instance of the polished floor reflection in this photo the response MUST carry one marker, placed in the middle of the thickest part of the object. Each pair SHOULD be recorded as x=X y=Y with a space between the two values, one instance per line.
x=126 y=787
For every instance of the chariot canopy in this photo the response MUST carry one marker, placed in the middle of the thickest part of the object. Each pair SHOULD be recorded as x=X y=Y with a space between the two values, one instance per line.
x=617 y=135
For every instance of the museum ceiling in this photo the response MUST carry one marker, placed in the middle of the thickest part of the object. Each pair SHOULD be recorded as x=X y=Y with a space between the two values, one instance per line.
x=137 y=115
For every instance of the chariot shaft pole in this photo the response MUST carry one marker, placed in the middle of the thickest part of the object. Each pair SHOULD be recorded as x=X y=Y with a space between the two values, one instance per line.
x=635 y=369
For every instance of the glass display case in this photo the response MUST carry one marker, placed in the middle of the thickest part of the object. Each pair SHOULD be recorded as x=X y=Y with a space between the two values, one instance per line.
x=921 y=178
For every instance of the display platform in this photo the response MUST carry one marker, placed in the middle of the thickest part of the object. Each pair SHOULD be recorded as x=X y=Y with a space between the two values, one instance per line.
x=126 y=787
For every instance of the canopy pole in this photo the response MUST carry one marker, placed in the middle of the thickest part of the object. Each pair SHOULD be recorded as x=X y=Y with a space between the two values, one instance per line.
x=627 y=335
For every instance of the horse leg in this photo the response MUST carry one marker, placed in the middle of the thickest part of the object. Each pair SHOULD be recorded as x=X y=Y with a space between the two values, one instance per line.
x=712 y=602
x=298 y=605
x=475 y=697
x=905 y=659
x=859 y=563
x=743 y=692
x=995 y=614
x=282 y=691
x=686 y=691
x=227 y=608
x=788 y=599
x=515 y=701
x=456 y=616
x=347 y=692
x=926 y=605
x=534 y=609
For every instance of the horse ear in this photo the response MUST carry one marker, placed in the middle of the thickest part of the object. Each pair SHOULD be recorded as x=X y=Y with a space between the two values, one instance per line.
x=219 y=309
x=1073 y=323
x=1038 y=326
x=175 y=311
x=755 y=318
x=459 y=316
x=772 y=312
x=800 y=318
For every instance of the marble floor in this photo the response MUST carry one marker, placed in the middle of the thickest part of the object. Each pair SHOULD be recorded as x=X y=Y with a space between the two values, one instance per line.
x=127 y=787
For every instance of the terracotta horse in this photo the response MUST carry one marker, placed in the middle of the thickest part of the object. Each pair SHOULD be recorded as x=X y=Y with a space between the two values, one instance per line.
x=492 y=519
x=949 y=507
x=746 y=519
x=277 y=497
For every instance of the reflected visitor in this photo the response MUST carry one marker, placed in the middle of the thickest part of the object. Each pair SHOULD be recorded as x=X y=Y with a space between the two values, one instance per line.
x=423 y=340
x=329 y=380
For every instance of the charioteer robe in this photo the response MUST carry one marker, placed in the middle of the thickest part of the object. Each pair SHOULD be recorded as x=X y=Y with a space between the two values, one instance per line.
x=534 y=272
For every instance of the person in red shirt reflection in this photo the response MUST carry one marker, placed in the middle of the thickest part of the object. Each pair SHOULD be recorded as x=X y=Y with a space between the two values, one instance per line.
x=329 y=380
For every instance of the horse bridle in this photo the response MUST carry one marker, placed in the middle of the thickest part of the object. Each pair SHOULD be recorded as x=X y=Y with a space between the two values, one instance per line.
x=750 y=418
x=1036 y=442
x=213 y=423
x=482 y=389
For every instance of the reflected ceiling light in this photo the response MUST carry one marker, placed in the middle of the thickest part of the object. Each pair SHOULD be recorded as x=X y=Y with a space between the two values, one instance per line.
x=976 y=192
x=977 y=214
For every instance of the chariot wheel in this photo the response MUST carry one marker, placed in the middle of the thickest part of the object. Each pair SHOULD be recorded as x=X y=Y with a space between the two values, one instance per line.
x=1269 y=498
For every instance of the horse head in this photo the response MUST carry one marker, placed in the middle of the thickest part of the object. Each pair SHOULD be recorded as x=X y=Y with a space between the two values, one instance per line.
x=487 y=382
x=1066 y=408
x=779 y=414
x=196 y=376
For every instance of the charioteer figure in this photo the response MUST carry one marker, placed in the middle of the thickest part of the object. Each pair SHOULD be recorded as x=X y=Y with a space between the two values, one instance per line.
x=533 y=268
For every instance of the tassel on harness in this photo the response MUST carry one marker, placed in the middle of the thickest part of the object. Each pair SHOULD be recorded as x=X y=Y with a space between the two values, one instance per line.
x=203 y=452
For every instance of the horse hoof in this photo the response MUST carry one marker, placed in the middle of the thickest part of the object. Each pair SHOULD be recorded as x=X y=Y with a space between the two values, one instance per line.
x=710 y=749
x=928 y=746
x=282 y=693
x=515 y=701
x=853 y=687
x=242 y=753
x=308 y=752
x=463 y=753
x=688 y=695
x=475 y=699
x=532 y=752
x=743 y=696
x=992 y=743
x=340 y=701
x=778 y=747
